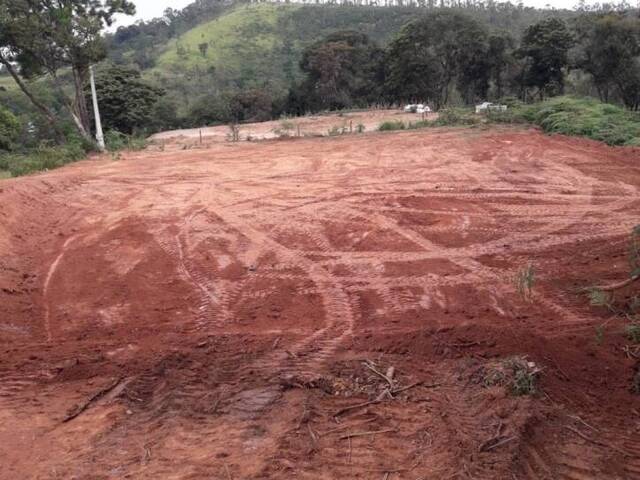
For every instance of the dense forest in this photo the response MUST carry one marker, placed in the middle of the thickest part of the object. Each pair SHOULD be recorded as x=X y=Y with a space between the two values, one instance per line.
x=228 y=61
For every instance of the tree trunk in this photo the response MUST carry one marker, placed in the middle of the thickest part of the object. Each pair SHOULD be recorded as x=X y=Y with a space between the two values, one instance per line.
x=46 y=111
x=80 y=75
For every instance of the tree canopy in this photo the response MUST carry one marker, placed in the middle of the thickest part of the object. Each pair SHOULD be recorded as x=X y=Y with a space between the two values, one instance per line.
x=544 y=49
x=429 y=55
x=44 y=37
x=342 y=70
x=609 y=51
x=9 y=129
x=125 y=101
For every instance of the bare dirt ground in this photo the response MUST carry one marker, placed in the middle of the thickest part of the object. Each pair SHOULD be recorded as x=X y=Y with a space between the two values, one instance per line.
x=207 y=313
x=308 y=126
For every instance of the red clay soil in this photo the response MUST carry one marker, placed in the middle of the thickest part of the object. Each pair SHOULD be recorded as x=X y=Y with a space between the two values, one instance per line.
x=207 y=313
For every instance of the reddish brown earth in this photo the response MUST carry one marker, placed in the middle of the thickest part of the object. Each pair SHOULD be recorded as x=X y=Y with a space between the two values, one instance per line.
x=206 y=313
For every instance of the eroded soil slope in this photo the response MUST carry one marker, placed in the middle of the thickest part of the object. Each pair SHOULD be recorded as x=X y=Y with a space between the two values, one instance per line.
x=208 y=313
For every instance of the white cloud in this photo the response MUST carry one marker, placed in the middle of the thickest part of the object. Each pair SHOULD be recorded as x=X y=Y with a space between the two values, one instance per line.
x=148 y=9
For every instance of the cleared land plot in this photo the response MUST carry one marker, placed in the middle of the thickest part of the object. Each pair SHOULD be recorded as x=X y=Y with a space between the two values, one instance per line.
x=207 y=313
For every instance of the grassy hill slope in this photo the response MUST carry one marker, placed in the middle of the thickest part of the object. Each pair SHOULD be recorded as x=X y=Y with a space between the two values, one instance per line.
x=245 y=37
x=260 y=45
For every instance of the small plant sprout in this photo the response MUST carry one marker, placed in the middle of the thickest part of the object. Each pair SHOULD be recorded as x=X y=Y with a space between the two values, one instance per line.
x=599 y=334
x=517 y=374
x=524 y=280
x=633 y=332
x=599 y=298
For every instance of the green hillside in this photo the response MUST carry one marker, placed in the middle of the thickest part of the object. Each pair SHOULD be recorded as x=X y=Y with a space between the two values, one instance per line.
x=244 y=35
x=259 y=45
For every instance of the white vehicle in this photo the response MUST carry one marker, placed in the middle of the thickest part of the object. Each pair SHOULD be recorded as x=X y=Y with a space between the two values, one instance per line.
x=417 y=108
x=484 y=107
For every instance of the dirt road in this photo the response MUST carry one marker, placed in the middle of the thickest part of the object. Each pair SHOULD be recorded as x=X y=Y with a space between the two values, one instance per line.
x=207 y=313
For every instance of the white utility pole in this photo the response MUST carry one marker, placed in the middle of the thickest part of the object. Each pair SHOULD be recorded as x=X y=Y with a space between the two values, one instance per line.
x=96 y=112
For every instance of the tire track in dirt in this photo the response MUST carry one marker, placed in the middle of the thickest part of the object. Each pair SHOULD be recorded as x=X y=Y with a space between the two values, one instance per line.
x=320 y=225
x=45 y=289
x=340 y=318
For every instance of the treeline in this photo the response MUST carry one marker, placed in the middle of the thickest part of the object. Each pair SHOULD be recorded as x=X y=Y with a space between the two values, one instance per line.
x=448 y=58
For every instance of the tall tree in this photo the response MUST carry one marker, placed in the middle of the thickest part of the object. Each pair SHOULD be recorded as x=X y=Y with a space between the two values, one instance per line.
x=39 y=37
x=610 y=52
x=544 y=48
x=126 y=102
x=343 y=70
x=431 y=53
x=500 y=57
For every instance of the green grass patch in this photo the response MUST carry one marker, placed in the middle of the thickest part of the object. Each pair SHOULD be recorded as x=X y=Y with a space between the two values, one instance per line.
x=43 y=158
x=633 y=332
x=446 y=118
x=116 y=141
x=516 y=374
x=583 y=117
x=244 y=38
x=450 y=117
x=392 y=125
x=7 y=83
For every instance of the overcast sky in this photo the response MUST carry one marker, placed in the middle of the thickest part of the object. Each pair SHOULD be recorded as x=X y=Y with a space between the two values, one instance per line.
x=147 y=9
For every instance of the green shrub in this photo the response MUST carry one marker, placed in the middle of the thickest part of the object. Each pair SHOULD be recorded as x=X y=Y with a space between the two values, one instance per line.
x=455 y=116
x=517 y=374
x=42 y=158
x=116 y=141
x=633 y=332
x=583 y=117
x=419 y=124
x=9 y=129
x=392 y=125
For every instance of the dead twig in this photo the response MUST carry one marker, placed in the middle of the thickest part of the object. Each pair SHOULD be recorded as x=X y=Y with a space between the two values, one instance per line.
x=597 y=442
x=370 y=366
x=226 y=468
x=363 y=434
x=81 y=407
x=616 y=286
x=354 y=407
x=487 y=446
x=383 y=394
x=576 y=417
x=345 y=426
x=462 y=344
x=361 y=405
x=408 y=387
x=390 y=372
x=314 y=438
